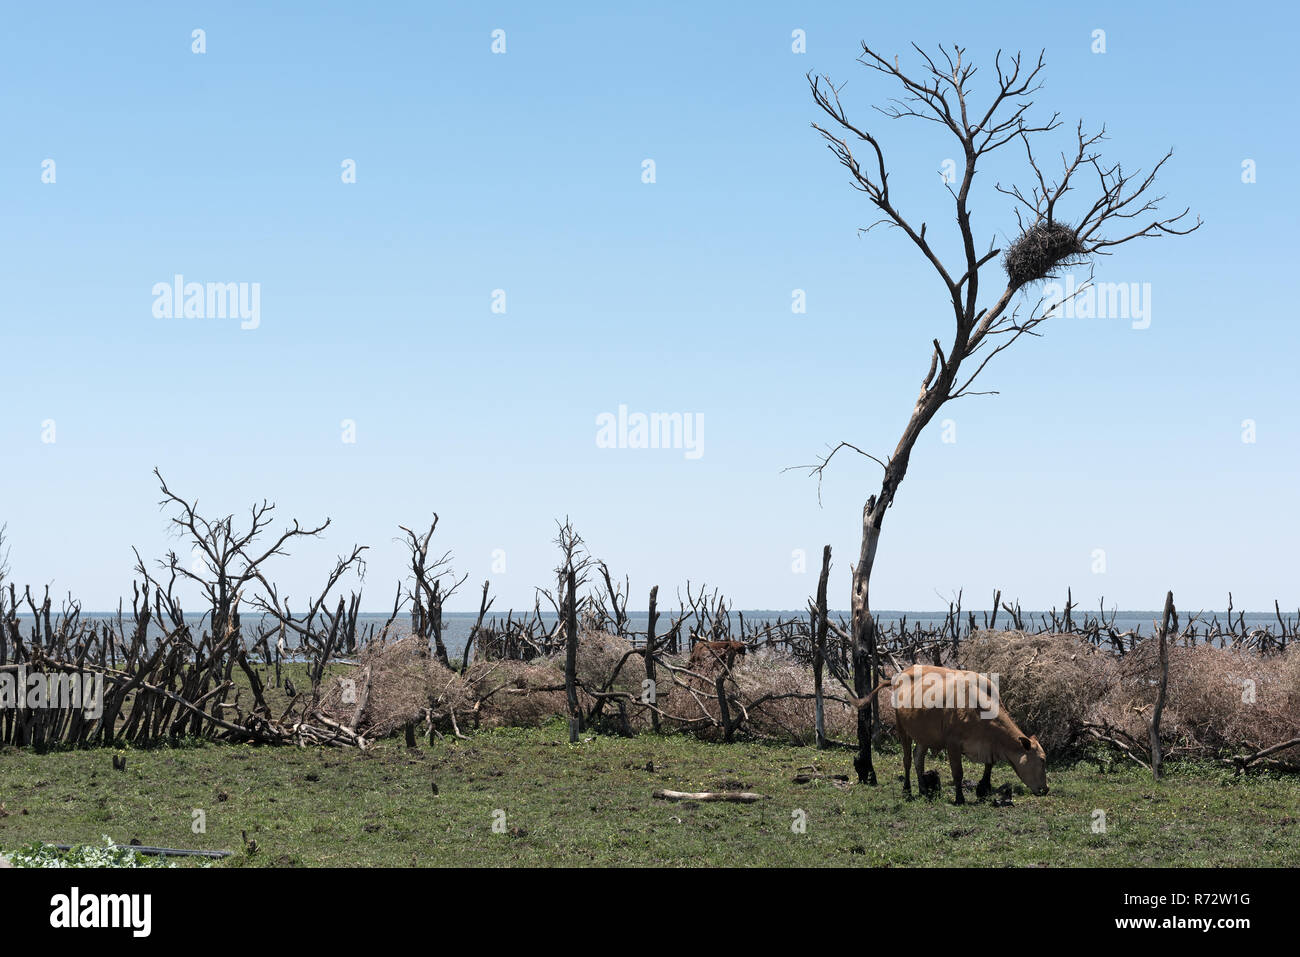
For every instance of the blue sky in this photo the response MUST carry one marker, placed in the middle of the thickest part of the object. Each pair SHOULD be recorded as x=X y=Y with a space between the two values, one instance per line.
x=522 y=171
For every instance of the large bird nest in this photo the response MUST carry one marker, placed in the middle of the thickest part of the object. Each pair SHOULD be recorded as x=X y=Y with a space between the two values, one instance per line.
x=1042 y=249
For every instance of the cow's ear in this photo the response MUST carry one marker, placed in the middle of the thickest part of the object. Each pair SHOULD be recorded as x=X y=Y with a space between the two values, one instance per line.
x=1026 y=743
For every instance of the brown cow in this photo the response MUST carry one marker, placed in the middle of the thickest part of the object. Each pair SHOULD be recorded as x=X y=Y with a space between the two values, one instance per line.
x=959 y=711
x=706 y=655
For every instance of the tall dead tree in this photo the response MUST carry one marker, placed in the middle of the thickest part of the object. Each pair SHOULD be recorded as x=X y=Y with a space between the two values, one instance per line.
x=228 y=561
x=432 y=583
x=571 y=574
x=1120 y=208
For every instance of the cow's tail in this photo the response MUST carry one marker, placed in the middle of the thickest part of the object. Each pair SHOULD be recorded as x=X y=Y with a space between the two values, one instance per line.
x=863 y=702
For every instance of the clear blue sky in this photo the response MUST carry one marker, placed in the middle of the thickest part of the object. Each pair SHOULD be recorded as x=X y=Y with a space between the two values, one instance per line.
x=522 y=172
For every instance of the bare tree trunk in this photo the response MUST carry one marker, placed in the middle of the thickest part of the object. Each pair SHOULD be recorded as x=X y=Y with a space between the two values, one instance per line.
x=571 y=659
x=483 y=606
x=724 y=712
x=819 y=649
x=864 y=639
x=1156 y=758
x=650 y=656
x=866 y=666
x=436 y=625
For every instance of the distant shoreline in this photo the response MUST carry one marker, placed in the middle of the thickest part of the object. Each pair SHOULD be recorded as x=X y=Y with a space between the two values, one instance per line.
x=884 y=613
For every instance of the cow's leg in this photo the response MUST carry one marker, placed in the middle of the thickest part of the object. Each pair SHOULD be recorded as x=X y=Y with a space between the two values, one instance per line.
x=920 y=767
x=986 y=784
x=954 y=762
x=906 y=742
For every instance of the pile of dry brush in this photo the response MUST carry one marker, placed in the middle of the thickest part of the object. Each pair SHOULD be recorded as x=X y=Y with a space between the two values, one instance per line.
x=397 y=684
x=1069 y=692
x=1220 y=700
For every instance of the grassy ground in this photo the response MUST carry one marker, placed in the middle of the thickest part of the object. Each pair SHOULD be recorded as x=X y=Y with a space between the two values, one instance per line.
x=591 y=804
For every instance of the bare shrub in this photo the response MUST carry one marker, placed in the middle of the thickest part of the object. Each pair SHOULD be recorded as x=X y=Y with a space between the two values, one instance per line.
x=518 y=694
x=600 y=655
x=1048 y=683
x=1290 y=674
x=759 y=678
x=781 y=715
x=1209 y=710
x=449 y=696
x=608 y=663
x=390 y=683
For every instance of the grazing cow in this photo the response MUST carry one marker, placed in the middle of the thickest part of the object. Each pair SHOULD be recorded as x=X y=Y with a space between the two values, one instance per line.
x=706 y=655
x=942 y=708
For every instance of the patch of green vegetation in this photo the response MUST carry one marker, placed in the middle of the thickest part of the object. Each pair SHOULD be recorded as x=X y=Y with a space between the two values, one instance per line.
x=83 y=855
x=526 y=797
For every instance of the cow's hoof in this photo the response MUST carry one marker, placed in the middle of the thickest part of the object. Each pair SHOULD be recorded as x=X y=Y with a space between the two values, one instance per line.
x=983 y=791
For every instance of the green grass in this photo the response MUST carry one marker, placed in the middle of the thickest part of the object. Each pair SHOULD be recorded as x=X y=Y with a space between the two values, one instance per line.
x=591 y=804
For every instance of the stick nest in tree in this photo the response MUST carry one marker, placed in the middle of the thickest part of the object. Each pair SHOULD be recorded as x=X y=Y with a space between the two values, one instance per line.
x=1040 y=251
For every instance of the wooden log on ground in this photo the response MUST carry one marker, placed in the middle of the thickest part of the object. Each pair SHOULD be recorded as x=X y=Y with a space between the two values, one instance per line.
x=1246 y=761
x=734 y=797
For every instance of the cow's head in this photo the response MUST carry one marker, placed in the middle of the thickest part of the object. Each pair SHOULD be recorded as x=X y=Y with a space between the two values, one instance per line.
x=1031 y=765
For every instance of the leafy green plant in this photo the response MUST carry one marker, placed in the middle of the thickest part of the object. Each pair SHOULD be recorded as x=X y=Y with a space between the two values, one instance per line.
x=83 y=855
